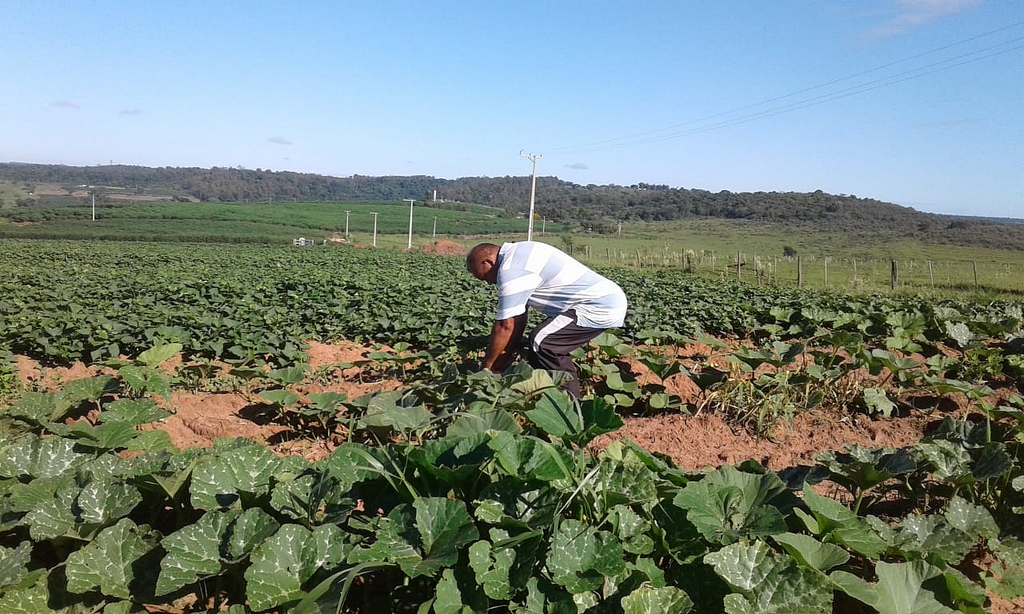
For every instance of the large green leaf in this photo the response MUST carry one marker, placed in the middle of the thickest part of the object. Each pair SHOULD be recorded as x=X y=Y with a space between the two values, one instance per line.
x=351 y=463
x=444 y=527
x=948 y=460
x=283 y=563
x=40 y=458
x=628 y=482
x=156 y=355
x=194 y=551
x=631 y=529
x=92 y=388
x=106 y=436
x=492 y=565
x=902 y=588
x=39 y=407
x=289 y=375
x=545 y=461
x=201 y=550
x=448 y=597
x=861 y=468
x=53 y=517
x=144 y=380
x=811 y=552
x=26 y=497
x=31 y=595
x=104 y=500
x=768 y=583
x=833 y=521
x=280 y=566
x=14 y=564
x=928 y=536
x=539 y=379
x=728 y=504
x=311 y=497
x=108 y=563
x=878 y=402
x=556 y=415
x=650 y=600
x=280 y=397
x=483 y=419
x=132 y=411
x=581 y=557
x=245 y=467
x=394 y=540
x=386 y=410
x=1006 y=576
x=974 y=520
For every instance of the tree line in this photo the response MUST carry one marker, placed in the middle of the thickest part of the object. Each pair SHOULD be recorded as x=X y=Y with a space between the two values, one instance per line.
x=598 y=208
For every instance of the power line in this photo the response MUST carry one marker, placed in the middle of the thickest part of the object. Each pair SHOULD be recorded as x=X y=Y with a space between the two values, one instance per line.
x=701 y=125
x=816 y=100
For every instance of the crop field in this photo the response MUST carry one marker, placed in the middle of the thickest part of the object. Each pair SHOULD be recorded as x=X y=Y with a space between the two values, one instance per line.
x=271 y=223
x=258 y=428
x=836 y=261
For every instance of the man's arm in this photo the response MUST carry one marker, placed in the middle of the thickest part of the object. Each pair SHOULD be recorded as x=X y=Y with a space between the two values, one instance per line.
x=505 y=336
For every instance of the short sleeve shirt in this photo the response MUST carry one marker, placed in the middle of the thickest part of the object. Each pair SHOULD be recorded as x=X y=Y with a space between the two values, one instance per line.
x=532 y=274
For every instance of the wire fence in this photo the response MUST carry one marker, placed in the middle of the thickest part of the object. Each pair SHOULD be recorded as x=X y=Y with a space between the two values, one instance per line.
x=842 y=274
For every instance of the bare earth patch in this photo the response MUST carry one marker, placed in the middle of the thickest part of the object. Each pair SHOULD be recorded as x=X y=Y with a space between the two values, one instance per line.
x=695 y=442
x=691 y=441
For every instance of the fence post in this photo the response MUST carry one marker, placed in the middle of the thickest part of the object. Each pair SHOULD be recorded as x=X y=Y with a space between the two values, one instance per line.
x=974 y=263
x=738 y=262
x=894 y=275
x=799 y=272
x=825 y=260
x=854 y=270
x=931 y=274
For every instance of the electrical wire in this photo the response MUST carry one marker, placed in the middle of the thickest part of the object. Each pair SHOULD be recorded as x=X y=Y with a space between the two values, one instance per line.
x=700 y=125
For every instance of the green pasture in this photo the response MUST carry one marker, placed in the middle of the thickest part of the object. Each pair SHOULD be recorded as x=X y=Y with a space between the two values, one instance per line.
x=822 y=260
x=10 y=192
x=250 y=222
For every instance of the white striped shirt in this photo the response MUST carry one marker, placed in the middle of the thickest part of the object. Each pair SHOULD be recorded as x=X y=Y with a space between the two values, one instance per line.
x=540 y=276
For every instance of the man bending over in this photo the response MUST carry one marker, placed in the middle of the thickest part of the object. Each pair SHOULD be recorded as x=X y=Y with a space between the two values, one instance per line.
x=579 y=304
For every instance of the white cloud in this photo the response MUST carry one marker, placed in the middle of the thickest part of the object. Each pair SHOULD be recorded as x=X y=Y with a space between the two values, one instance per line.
x=909 y=14
x=579 y=166
x=65 y=104
x=131 y=112
x=280 y=140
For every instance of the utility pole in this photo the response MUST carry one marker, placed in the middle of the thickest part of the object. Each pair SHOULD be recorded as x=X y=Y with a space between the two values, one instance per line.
x=346 y=224
x=94 y=205
x=433 y=235
x=374 y=214
x=411 y=201
x=533 y=191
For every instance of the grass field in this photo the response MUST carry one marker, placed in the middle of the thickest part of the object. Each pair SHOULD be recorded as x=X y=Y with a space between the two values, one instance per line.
x=710 y=247
x=250 y=223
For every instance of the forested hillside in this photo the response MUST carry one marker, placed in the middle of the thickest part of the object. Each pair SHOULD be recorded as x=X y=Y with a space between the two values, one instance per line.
x=598 y=207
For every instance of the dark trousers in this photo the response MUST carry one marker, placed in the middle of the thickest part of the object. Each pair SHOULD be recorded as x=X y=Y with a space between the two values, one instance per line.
x=551 y=342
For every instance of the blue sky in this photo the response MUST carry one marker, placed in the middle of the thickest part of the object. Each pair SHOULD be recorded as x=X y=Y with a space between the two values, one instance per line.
x=917 y=102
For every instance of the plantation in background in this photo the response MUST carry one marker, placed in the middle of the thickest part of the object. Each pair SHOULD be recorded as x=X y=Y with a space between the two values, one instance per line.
x=267 y=223
x=466 y=491
x=845 y=261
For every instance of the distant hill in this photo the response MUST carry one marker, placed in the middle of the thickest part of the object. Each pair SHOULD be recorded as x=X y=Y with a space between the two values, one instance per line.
x=598 y=207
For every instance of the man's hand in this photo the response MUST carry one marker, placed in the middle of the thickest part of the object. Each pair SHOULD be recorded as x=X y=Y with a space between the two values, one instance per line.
x=504 y=342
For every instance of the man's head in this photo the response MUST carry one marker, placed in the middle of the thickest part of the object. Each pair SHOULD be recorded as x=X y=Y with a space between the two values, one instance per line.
x=482 y=262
